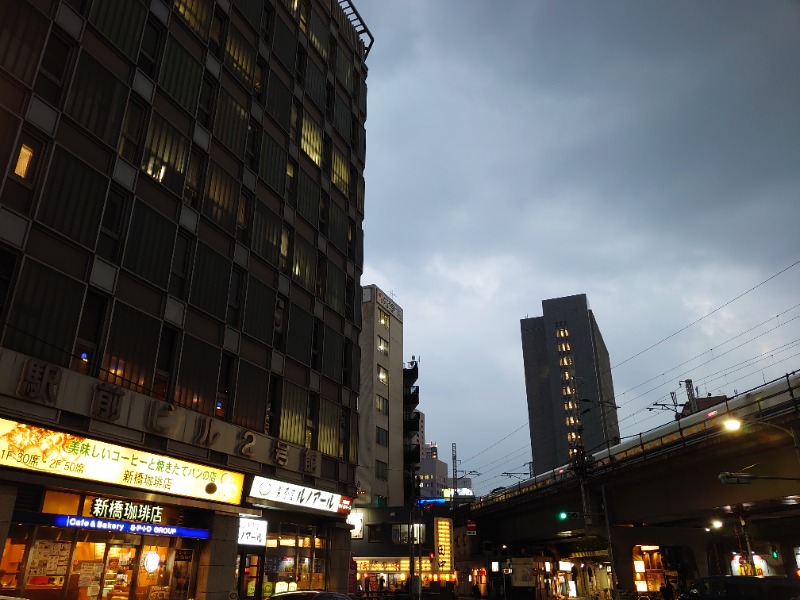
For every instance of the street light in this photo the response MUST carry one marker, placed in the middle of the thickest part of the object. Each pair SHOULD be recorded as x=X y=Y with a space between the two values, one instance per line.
x=734 y=424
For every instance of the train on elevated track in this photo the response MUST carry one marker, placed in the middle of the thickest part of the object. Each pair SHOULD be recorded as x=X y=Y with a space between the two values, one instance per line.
x=772 y=400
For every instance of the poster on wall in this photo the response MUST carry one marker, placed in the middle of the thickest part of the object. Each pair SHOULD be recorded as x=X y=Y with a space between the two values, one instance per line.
x=181 y=574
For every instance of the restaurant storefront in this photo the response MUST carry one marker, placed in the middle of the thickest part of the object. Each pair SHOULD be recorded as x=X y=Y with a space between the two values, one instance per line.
x=295 y=546
x=124 y=524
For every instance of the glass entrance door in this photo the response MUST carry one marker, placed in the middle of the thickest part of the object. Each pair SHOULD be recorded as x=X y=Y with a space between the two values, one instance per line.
x=118 y=578
x=249 y=575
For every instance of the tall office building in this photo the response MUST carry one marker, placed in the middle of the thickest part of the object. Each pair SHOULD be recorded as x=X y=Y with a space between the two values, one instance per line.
x=383 y=420
x=568 y=383
x=181 y=206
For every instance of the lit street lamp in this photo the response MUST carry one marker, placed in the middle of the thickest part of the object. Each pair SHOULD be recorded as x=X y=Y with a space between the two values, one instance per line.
x=734 y=424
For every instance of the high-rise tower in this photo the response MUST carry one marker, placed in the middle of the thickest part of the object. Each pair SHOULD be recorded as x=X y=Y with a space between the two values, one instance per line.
x=568 y=383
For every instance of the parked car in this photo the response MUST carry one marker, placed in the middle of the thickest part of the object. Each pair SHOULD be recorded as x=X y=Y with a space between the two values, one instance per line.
x=744 y=588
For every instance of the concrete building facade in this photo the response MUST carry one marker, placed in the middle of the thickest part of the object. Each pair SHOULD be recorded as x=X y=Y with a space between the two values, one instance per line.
x=568 y=383
x=181 y=207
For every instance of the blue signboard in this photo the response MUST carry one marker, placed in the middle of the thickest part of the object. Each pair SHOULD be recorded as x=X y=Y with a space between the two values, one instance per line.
x=126 y=527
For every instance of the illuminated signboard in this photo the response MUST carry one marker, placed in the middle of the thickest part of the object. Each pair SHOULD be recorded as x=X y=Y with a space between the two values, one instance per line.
x=443 y=536
x=57 y=453
x=356 y=519
x=128 y=527
x=299 y=495
x=252 y=532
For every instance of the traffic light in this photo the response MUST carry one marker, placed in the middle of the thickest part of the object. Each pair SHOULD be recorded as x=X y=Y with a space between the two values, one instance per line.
x=566 y=515
x=774 y=552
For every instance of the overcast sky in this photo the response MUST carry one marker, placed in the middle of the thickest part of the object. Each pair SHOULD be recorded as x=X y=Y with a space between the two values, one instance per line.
x=646 y=154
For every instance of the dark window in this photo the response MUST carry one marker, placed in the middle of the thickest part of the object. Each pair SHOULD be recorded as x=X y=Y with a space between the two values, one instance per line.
x=230 y=126
x=250 y=404
x=316 y=84
x=322 y=273
x=284 y=260
x=251 y=9
x=53 y=70
x=132 y=131
x=381 y=436
x=197 y=379
x=225 y=388
x=267 y=23
x=222 y=194
x=22 y=34
x=265 y=233
x=332 y=355
x=181 y=266
x=243 y=218
x=195 y=171
x=129 y=359
x=148 y=243
x=342 y=117
x=181 y=75
x=253 y=145
x=205 y=107
x=235 y=298
x=304 y=263
x=280 y=324
x=349 y=298
x=308 y=198
x=279 y=101
x=316 y=345
x=37 y=326
x=73 y=197
x=210 y=282
x=300 y=66
x=334 y=287
x=165 y=363
x=8 y=265
x=273 y=163
x=291 y=182
x=260 y=80
x=97 y=100
x=259 y=319
x=108 y=244
x=284 y=45
x=152 y=42
x=301 y=331
x=217 y=37
x=121 y=22
x=337 y=226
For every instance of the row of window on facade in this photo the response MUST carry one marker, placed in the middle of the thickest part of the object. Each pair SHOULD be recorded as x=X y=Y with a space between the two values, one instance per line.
x=136 y=351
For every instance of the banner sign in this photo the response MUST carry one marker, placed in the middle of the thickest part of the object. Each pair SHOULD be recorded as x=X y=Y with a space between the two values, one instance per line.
x=299 y=495
x=57 y=453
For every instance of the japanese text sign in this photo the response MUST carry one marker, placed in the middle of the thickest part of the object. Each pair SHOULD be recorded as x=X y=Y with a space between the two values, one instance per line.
x=57 y=453
x=299 y=495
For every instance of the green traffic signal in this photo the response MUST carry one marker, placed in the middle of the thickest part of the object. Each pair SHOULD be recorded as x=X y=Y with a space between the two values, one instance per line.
x=562 y=516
